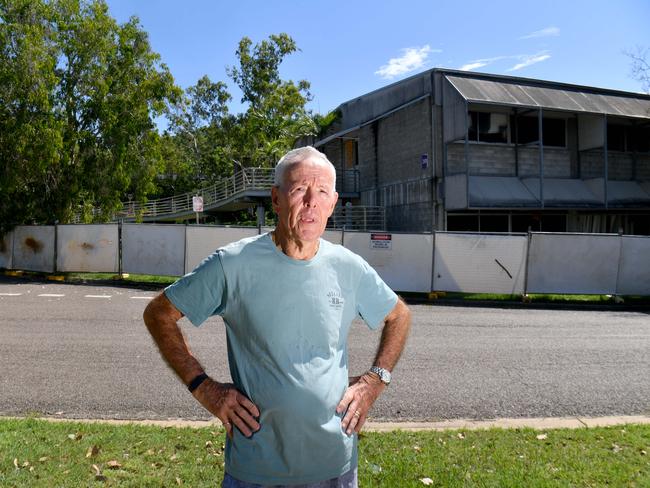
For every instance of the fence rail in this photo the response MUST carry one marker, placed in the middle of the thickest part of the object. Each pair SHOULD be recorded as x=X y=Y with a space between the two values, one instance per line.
x=214 y=196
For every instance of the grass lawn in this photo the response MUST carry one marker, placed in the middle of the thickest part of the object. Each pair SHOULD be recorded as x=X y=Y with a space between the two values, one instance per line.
x=37 y=453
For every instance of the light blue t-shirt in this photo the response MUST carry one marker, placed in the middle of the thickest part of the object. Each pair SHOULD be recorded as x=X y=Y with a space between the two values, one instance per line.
x=287 y=324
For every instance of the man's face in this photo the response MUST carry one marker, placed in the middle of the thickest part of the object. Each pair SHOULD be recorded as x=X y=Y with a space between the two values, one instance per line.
x=305 y=200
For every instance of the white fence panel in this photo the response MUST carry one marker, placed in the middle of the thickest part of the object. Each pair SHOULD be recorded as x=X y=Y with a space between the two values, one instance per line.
x=153 y=249
x=634 y=272
x=578 y=263
x=6 y=250
x=88 y=248
x=480 y=263
x=404 y=262
x=201 y=241
x=33 y=248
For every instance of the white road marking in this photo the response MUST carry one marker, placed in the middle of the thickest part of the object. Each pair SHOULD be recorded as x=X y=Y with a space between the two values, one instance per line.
x=142 y=298
x=97 y=296
x=51 y=295
x=10 y=294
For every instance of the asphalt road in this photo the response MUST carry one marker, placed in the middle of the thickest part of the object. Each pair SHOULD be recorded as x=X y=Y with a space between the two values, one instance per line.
x=83 y=352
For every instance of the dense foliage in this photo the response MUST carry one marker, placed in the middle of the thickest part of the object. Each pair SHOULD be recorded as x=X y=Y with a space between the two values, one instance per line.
x=79 y=99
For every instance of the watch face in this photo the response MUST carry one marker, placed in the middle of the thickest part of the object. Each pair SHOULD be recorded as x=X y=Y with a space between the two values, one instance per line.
x=384 y=375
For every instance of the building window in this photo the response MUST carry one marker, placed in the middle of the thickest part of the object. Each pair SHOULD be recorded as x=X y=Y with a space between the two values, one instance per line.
x=351 y=153
x=640 y=139
x=488 y=127
x=628 y=138
x=462 y=223
x=553 y=131
x=616 y=135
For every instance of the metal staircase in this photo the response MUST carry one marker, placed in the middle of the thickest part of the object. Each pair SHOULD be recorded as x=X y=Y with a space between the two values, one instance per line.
x=247 y=188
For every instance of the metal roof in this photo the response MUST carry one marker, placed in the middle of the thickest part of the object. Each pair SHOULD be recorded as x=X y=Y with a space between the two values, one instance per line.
x=481 y=90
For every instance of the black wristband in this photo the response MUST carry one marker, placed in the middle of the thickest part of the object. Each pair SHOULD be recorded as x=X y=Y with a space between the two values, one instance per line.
x=196 y=382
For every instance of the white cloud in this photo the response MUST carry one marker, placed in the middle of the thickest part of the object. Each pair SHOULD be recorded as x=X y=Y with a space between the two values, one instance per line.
x=479 y=63
x=527 y=60
x=548 y=32
x=473 y=65
x=523 y=61
x=412 y=59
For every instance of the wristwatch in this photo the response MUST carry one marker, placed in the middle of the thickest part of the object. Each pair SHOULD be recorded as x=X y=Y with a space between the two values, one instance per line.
x=384 y=374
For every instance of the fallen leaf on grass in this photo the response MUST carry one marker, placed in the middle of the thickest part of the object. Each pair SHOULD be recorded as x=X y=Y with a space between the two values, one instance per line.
x=542 y=437
x=173 y=457
x=43 y=459
x=75 y=437
x=92 y=451
x=426 y=481
x=616 y=448
x=417 y=448
x=461 y=435
x=178 y=481
x=643 y=453
x=98 y=473
x=16 y=463
x=113 y=464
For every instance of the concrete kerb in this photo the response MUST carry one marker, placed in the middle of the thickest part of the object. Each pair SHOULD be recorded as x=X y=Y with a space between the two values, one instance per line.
x=375 y=426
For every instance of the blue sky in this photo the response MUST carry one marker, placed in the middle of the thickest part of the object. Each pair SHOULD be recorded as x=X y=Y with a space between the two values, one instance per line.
x=348 y=48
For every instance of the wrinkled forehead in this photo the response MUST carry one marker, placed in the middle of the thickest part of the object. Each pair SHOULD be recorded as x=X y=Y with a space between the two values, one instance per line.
x=310 y=169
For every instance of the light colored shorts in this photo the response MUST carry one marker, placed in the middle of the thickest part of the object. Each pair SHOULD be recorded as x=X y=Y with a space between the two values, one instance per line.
x=346 y=480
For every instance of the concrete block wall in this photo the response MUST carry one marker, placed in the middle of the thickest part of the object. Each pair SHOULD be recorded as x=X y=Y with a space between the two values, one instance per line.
x=367 y=149
x=643 y=167
x=499 y=160
x=402 y=138
x=414 y=217
x=620 y=166
x=484 y=159
x=557 y=162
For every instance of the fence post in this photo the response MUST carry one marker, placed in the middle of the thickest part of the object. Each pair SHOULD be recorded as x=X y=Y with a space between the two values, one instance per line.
x=56 y=243
x=527 y=263
x=433 y=259
x=119 y=248
x=618 y=269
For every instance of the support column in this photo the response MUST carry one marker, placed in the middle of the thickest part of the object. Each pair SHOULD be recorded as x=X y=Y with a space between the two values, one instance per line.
x=260 y=216
x=540 y=131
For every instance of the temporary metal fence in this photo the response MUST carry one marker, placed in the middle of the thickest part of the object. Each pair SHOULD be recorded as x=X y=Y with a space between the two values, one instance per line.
x=444 y=261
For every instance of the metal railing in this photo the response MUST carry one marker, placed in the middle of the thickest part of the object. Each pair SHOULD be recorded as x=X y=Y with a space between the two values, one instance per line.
x=225 y=189
x=362 y=218
x=250 y=179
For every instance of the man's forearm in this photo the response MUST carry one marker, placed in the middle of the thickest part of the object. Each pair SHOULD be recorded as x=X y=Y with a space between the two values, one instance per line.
x=393 y=336
x=161 y=318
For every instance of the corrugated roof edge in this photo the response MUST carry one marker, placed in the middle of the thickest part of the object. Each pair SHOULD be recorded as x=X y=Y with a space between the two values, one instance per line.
x=505 y=78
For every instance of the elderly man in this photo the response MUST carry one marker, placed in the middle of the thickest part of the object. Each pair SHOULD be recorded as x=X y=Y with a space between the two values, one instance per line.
x=287 y=298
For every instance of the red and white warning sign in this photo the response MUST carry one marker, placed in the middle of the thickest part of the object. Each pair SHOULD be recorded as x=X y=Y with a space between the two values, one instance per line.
x=197 y=204
x=381 y=241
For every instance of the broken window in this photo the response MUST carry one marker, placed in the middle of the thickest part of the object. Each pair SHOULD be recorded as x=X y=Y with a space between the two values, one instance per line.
x=488 y=127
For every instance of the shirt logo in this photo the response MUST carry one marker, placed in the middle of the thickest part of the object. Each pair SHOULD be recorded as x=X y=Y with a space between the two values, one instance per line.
x=335 y=300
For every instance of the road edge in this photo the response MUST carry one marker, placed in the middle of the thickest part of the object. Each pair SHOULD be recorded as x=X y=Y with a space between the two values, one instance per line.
x=375 y=426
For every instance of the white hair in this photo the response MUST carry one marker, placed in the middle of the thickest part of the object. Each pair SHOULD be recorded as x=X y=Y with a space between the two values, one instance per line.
x=296 y=156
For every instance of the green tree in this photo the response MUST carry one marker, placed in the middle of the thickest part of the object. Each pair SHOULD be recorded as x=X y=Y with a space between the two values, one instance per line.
x=79 y=94
x=276 y=115
x=210 y=142
x=201 y=125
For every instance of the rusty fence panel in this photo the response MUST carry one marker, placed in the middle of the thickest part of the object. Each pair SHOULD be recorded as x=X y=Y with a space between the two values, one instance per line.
x=34 y=248
x=87 y=248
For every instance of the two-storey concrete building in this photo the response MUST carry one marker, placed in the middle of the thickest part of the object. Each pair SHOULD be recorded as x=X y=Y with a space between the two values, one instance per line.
x=454 y=150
